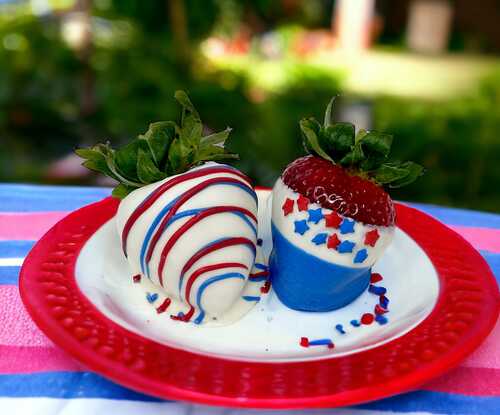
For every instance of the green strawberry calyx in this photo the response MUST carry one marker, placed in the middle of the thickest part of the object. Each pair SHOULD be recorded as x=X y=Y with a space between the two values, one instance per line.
x=365 y=153
x=165 y=149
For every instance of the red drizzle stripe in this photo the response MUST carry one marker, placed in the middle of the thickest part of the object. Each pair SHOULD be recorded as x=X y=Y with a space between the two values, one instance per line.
x=259 y=274
x=155 y=195
x=200 y=272
x=195 y=219
x=183 y=199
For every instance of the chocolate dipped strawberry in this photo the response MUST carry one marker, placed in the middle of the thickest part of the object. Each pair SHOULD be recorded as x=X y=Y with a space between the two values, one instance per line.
x=331 y=217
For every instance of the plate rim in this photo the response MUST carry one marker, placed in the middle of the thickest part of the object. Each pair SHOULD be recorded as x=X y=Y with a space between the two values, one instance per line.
x=51 y=263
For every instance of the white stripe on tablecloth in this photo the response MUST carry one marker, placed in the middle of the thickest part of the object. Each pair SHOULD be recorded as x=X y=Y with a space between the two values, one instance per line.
x=11 y=262
x=52 y=406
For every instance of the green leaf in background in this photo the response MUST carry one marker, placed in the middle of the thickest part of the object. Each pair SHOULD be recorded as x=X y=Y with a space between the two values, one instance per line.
x=310 y=130
x=147 y=171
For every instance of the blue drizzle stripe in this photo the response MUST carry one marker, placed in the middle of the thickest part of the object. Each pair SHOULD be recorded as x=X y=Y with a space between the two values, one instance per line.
x=9 y=275
x=208 y=282
x=260 y=266
x=10 y=249
x=166 y=209
x=260 y=278
x=250 y=298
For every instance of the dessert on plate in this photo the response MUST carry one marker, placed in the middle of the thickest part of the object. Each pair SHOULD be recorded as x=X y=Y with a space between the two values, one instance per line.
x=331 y=217
x=187 y=224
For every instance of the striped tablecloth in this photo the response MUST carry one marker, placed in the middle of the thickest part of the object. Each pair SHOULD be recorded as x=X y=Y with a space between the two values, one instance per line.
x=37 y=377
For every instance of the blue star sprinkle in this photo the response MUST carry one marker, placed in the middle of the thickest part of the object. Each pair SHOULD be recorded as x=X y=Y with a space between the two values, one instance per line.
x=151 y=297
x=377 y=290
x=320 y=238
x=384 y=301
x=301 y=227
x=315 y=215
x=380 y=319
x=361 y=255
x=347 y=226
x=346 y=246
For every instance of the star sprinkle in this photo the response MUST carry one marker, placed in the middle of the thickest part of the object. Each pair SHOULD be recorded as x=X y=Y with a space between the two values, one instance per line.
x=333 y=220
x=151 y=297
x=287 y=207
x=301 y=227
x=315 y=215
x=319 y=239
x=361 y=255
x=302 y=203
x=347 y=226
x=375 y=277
x=333 y=241
x=346 y=246
x=371 y=237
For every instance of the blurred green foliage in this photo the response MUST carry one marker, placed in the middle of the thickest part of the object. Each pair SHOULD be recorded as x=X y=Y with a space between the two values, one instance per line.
x=133 y=71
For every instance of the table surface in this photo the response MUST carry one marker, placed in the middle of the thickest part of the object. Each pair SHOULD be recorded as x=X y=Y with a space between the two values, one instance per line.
x=37 y=377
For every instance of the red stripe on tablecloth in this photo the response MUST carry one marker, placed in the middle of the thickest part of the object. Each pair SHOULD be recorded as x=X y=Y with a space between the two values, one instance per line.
x=467 y=381
x=27 y=226
x=24 y=359
x=480 y=238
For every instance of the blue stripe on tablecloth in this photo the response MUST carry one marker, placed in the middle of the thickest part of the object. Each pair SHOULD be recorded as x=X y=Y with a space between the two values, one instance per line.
x=462 y=217
x=437 y=402
x=65 y=385
x=13 y=249
x=68 y=385
x=36 y=198
x=493 y=261
x=9 y=275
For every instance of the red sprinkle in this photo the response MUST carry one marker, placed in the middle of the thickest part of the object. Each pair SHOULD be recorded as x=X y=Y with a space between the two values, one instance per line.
x=303 y=203
x=266 y=287
x=163 y=306
x=137 y=278
x=333 y=241
x=304 y=342
x=367 y=318
x=380 y=310
x=371 y=237
x=331 y=346
x=333 y=220
x=287 y=207
x=375 y=277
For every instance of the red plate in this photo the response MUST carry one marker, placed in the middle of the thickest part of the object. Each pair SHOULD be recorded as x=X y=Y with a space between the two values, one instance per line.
x=466 y=311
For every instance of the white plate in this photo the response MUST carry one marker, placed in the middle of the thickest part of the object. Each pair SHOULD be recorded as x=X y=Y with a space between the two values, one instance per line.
x=270 y=331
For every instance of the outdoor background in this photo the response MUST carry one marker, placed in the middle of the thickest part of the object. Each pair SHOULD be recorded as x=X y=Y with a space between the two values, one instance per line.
x=73 y=73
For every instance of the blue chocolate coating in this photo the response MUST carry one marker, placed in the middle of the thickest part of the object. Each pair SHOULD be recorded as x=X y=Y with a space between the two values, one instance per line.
x=307 y=283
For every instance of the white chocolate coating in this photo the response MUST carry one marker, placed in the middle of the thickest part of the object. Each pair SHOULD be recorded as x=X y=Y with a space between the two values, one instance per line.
x=215 y=298
x=285 y=224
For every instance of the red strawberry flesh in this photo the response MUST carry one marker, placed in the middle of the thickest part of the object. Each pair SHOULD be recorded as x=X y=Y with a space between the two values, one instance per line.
x=332 y=187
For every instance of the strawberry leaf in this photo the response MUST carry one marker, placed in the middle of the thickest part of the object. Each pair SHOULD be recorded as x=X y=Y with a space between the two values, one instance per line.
x=337 y=139
x=376 y=148
x=216 y=138
x=158 y=139
x=121 y=191
x=414 y=171
x=310 y=131
x=147 y=171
